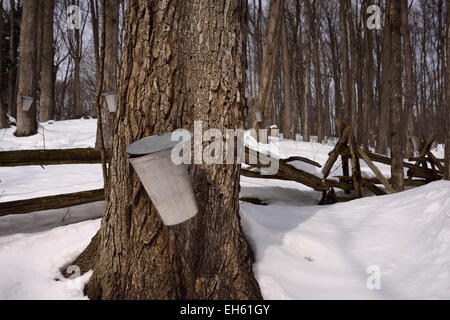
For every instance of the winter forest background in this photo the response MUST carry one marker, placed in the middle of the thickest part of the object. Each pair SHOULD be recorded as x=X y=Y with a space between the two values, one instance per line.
x=333 y=68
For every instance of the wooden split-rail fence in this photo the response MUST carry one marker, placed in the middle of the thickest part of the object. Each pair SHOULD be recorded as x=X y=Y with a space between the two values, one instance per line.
x=45 y=158
x=419 y=173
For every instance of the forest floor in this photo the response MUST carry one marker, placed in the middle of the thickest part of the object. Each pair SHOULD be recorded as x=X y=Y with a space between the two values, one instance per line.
x=303 y=251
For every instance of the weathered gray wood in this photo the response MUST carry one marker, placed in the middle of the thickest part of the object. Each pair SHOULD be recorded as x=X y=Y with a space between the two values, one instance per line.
x=356 y=169
x=256 y=201
x=286 y=172
x=51 y=202
x=372 y=187
x=344 y=185
x=415 y=170
x=49 y=157
x=436 y=162
x=427 y=146
x=302 y=159
x=334 y=154
x=376 y=171
x=415 y=183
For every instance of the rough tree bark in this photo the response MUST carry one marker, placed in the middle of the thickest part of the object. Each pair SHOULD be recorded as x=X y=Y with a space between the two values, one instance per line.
x=181 y=62
x=317 y=75
x=270 y=51
x=288 y=130
x=354 y=67
x=12 y=74
x=306 y=106
x=26 y=120
x=410 y=96
x=447 y=141
x=396 y=134
x=299 y=69
x=347 y=77
x=47 y=105
x=111 y=62
x=95 y=32
x=77 y=110
x=336 y=68
x=368 y=84
x=383 y=123
x=3 y=120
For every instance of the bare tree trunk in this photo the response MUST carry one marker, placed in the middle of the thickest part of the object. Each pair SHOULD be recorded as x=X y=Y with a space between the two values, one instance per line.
x=95 y=32
x=12 y=75
x=359 y=49
x=447 y=141
x=355 y=69
x=336 y=71
x=300 y=70
x=397 y=173
x=39 y=38
x=383 y=123
x=77 y=112
x=410 y=97
x=47 y=103
x=306 y=107
x=326 y=109
x=3 y=120
x=111 y=26
x=287 y=108
x=318 y=76
x=207 y=257
x=270 y=52
x=368 y=85
x=26 y=120
x=76 y=51
x=347 y=77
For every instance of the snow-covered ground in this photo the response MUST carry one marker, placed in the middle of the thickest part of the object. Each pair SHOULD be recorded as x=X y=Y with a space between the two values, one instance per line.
x=303 y=251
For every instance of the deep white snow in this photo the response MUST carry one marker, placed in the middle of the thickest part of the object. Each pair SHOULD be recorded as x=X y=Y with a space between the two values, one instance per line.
x=303 y=251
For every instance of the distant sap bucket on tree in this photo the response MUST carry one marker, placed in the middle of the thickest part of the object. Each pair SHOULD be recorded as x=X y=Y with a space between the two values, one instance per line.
x=168 y=185
x=259 y=115
x=111 y=100
x=415 y=144
x=27 y=101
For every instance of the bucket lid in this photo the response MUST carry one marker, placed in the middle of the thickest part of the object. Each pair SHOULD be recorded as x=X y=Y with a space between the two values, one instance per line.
x=109 y=93
x=152 y=144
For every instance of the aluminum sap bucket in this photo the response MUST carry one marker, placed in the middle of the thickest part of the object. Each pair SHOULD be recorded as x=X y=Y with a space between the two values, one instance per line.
x=259 y=115
x=111 y=100
x=167 y=184
x=27 y=101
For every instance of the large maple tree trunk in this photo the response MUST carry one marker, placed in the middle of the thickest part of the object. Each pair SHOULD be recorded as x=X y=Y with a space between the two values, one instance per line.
x=447 y=141
x=26 y=120
x=181 y=62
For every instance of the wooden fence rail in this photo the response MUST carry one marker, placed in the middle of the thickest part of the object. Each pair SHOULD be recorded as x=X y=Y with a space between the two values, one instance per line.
x=51 y=202
x=18 y=158
x=49 y=157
